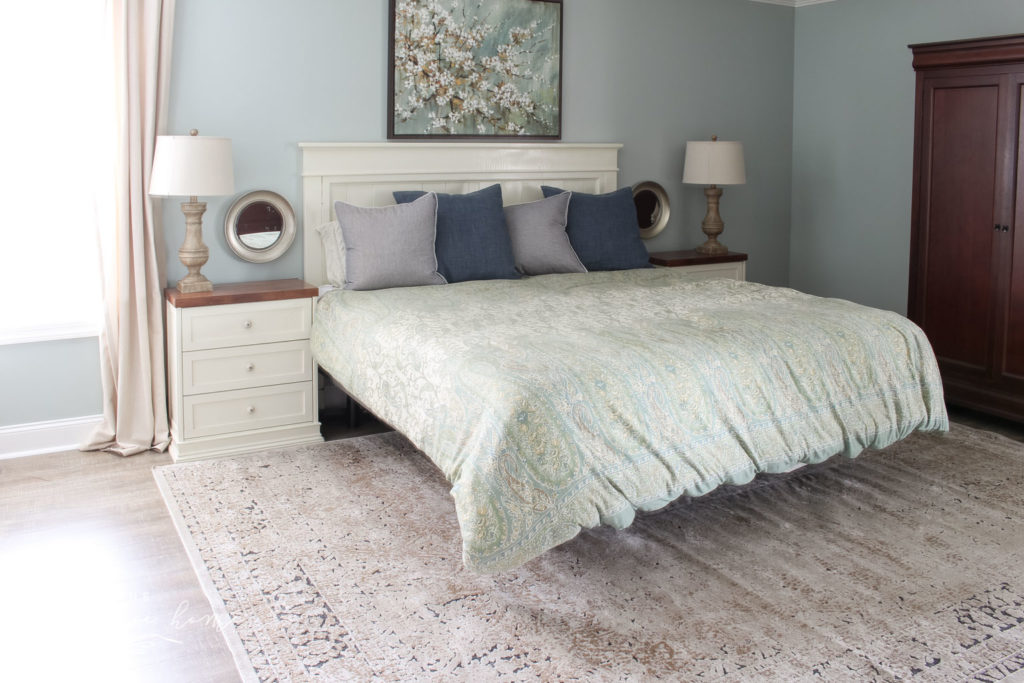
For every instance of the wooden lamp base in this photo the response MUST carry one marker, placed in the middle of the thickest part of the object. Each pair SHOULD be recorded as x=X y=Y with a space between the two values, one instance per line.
x=193 y=253
x=712 y=225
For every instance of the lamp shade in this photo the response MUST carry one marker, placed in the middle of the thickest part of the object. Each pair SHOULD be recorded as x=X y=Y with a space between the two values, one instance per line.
x=714 y=163
x=190 y=166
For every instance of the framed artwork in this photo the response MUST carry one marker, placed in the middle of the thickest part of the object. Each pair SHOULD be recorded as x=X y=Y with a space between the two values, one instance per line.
x=462 y=69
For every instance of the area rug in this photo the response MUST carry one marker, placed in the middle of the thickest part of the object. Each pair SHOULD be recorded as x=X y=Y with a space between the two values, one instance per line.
x=342 y=561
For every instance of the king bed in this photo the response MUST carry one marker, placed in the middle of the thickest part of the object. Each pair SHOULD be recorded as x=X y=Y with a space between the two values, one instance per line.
x=562 y=401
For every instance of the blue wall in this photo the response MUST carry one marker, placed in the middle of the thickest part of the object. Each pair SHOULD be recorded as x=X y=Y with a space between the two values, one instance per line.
x=650 y=74
x=822 y=97
x=823 y=102
x=51 y=380
x=853 y=138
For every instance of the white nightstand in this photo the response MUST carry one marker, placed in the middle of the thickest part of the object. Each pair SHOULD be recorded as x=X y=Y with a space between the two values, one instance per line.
x=240 y=374
x=732 y=265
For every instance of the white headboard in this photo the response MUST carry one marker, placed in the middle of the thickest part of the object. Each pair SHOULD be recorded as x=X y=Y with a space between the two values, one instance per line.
x=367 y=173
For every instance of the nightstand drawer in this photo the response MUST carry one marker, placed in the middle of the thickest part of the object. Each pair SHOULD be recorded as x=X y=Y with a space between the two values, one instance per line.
x=246 y=366
x=247 y=409
x=701 y=266
x=212 y=327
x=733 y=271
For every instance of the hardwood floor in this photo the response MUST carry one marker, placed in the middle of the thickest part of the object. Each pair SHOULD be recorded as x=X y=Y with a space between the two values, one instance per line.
x=95 y=584
x=1008 y=428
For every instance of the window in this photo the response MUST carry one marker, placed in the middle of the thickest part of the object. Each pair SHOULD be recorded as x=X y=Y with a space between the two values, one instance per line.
x=55 y=167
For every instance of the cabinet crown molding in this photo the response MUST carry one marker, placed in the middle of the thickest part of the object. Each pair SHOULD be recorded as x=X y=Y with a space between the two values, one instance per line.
x=969 y=52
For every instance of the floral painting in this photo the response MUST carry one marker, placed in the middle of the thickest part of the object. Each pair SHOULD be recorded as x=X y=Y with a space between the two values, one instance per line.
x=475 y=68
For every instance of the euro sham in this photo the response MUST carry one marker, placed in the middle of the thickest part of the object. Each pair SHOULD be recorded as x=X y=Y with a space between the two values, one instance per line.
x=603 y=229
x=472 y=238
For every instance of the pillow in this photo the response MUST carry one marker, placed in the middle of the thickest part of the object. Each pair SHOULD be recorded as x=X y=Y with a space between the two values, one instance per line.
x=391 y=246
x=472 y=239
x=539 y=243
x=603 y=230
x=333 y=245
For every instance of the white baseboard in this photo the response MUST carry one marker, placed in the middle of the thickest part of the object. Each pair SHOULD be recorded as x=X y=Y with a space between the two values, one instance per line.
x=34 y=438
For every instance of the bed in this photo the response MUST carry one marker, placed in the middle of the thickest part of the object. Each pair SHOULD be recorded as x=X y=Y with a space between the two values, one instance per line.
x=559 y=402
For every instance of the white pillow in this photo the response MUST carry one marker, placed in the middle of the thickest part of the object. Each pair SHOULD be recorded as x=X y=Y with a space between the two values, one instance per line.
x=333 y=244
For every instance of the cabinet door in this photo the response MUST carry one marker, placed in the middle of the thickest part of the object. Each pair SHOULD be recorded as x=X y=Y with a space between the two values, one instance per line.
x=1011 y=247
x=957 y=195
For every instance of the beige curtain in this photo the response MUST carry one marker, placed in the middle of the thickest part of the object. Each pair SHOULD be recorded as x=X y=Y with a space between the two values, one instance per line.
x=132 y=340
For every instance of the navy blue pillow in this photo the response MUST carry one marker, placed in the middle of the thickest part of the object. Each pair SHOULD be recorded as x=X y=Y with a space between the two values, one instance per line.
x=472 y=239
x=603 y=230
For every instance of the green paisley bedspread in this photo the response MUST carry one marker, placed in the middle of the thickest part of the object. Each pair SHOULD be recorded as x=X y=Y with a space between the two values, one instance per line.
x=566 y=401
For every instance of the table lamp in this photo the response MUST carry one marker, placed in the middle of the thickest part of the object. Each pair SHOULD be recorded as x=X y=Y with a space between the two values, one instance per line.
x=714 y=163
x=192 y=166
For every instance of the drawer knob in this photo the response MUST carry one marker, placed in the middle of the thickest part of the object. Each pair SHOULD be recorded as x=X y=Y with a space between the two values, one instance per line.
x=247 y=324
x=250 y=367
x=251 y=409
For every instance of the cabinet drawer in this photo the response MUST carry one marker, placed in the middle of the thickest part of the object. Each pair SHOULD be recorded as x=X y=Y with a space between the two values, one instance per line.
x=212 y=327
x=245 y=409
x=246 y=366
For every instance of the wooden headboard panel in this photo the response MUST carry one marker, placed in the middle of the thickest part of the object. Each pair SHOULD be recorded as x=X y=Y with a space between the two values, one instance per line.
x=367 y=173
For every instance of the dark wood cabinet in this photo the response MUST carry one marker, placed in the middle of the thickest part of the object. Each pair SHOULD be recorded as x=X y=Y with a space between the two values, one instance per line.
x=966 y=267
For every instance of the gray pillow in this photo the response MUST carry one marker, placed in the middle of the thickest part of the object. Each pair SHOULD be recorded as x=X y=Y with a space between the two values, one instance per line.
x=390 y=246
x=539 y=243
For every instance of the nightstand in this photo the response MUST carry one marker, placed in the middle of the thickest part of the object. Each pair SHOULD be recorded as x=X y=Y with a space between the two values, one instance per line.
x=732 y=265
x=240 y=373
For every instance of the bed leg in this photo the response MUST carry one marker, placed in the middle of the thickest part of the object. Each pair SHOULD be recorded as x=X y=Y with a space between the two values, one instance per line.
x=353 y=413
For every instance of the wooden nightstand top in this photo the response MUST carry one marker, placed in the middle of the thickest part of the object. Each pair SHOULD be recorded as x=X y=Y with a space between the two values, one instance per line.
x=689 y=257
x=243 y=293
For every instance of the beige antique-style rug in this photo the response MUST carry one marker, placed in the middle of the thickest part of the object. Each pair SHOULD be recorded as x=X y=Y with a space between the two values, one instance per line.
x=342 y=561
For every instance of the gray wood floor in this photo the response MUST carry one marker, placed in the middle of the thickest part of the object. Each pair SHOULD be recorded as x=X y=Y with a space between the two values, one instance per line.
x=94 y=583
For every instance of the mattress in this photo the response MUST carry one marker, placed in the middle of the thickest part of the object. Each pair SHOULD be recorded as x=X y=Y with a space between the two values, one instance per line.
x=559 y=402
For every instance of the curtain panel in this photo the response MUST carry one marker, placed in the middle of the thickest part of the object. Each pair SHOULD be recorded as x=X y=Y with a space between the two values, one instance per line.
x=132 y=338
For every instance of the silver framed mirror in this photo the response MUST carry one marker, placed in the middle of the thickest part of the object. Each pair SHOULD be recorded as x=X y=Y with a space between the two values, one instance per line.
x=652 y=208
x=260 y=226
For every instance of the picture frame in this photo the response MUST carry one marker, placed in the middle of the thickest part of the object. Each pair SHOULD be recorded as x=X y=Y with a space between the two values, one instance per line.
x=471 y=70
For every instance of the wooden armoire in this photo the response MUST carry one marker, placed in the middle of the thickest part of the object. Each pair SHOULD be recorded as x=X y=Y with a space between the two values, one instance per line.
x=966 y=267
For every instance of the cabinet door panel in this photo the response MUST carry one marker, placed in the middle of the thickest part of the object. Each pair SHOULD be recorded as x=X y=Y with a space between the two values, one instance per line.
x=1013 y=355
x=957 y=212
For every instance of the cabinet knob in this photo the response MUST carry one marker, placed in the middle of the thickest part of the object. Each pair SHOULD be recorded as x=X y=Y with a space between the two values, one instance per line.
x=250 y=367
x=251 y=409
x=247 y=324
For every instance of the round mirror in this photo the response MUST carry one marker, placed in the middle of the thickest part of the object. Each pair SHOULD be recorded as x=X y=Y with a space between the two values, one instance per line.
x=652 y=208
x=260 y=226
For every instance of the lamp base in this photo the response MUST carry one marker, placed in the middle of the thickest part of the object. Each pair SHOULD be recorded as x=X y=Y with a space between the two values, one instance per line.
x=189 y=284
x=712 y=225
x=193 y=252
x=712 y=248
